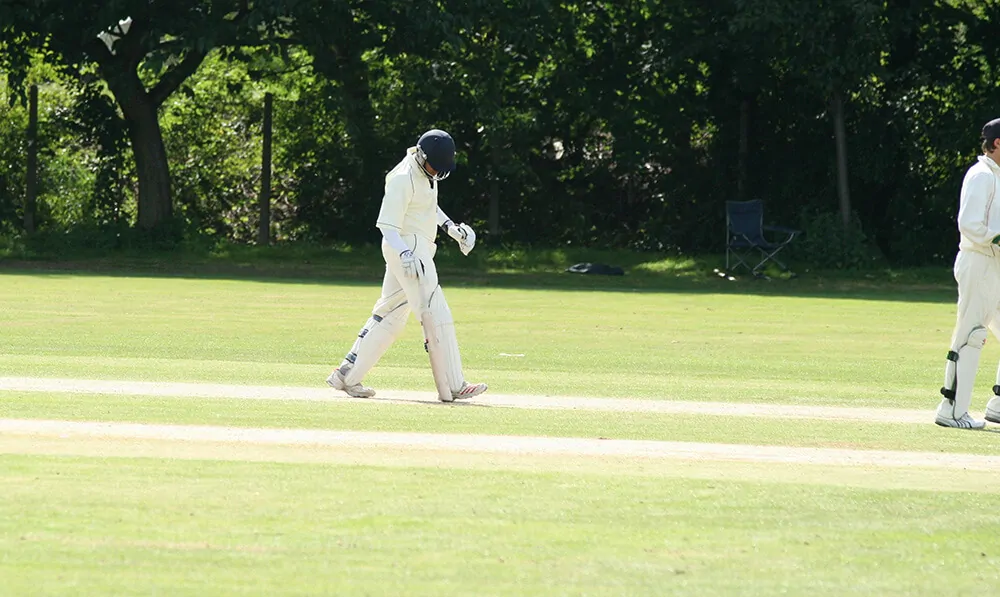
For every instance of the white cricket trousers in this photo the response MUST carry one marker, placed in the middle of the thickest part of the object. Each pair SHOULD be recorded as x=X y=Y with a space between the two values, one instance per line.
x=978 y=278
x=401 y=296
x=394 y=280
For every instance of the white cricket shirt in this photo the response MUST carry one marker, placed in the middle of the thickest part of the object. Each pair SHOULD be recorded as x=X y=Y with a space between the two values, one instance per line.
x=979 y=211
x=409 y=205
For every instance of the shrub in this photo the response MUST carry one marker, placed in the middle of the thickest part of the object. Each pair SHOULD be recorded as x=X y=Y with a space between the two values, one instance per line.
x=828 y=244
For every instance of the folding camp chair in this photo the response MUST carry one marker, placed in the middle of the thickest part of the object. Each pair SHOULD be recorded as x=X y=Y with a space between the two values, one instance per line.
x=745 y=235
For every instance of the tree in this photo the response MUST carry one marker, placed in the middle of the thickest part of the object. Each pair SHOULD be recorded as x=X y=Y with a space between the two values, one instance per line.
x=146 y=50
x=831 y=47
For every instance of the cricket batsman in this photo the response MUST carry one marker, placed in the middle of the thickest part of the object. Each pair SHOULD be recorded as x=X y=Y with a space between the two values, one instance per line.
x=977 y=271
x=408 y=219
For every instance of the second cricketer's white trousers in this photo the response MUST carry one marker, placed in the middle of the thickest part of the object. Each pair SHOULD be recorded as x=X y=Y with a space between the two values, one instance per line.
x=978 y=278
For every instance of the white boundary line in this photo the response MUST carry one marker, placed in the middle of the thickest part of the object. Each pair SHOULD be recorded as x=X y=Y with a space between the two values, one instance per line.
x=324 y=394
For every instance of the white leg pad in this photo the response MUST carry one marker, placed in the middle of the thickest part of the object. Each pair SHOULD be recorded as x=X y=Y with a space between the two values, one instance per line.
x=385 y=325
x=993 y=406
x=993 y=410
x=960 y=375
x=445 y=325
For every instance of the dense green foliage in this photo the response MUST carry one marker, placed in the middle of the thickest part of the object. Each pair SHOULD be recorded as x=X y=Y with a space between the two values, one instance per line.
x=620 y=124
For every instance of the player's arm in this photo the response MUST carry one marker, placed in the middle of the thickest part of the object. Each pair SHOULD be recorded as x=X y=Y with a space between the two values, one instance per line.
x=443 y=220
x=977 y=193
x=398 y=193
x=394 y=240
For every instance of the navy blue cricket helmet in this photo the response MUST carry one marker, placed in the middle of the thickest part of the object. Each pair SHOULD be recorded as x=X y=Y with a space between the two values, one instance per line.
x=437 y=149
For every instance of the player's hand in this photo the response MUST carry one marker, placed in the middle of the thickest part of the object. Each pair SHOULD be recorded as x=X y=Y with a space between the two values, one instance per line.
x=464 y=235
x=411 y=265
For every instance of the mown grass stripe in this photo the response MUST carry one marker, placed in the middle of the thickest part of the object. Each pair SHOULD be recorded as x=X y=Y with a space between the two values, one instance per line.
x=322 y=394
x=494 y=444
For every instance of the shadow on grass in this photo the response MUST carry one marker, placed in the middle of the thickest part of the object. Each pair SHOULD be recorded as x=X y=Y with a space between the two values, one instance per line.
x=501 y=268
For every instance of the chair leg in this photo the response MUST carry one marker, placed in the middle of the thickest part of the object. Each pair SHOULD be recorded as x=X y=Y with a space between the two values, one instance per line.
x=776 y=260
x=735 y=259
x=741 y=260
x=771 y=257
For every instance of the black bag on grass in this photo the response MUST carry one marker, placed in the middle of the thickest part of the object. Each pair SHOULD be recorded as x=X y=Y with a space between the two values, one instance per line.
x=595 y=268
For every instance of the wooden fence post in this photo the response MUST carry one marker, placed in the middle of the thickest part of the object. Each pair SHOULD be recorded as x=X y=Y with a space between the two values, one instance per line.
x=31 y=189
x=264 y=231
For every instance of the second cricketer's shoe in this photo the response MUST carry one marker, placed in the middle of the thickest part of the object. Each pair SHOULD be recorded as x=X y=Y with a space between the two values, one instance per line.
x=964 y=422
x=993 y=410
x=336 y=381
x=469 y=390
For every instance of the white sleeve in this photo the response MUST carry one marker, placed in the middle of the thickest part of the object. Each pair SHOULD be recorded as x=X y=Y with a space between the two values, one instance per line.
x=443 y=218
x=395 y=240
x=977 y=193
x=398 y=192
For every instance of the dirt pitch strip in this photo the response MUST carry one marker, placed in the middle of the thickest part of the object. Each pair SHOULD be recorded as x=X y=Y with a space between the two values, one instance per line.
x=324 y=394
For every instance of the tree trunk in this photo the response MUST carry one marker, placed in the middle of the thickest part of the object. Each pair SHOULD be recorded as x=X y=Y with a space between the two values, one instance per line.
x=840 y=137
x=152 y=168
x=155 y=205
x=494 y=216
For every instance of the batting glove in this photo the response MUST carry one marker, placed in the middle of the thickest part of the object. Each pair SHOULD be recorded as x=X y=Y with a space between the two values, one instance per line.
x=464 y=235
x=410 y=265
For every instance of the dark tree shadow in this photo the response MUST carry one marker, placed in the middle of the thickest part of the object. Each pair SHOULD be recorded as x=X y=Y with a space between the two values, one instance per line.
x=365 y=268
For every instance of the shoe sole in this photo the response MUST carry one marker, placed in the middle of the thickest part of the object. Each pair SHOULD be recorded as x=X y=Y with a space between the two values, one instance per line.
x=469 y=395
x=939 y=423
x=334 y=385
x=992 y=418
x=464 y=396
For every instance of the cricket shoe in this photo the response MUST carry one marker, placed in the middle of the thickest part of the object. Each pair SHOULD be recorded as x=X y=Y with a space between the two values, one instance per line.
x=993 y=410
x=469 y=390
x=963 y=422
x=336 y=381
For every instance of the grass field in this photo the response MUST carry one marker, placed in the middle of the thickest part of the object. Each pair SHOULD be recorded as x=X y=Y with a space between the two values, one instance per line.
x=713 y=477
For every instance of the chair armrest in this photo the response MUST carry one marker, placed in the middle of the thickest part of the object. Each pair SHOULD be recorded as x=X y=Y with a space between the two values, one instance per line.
x=781 y=229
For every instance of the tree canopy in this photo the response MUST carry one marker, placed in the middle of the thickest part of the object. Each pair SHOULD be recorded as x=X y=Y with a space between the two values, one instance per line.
x=603 y=123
